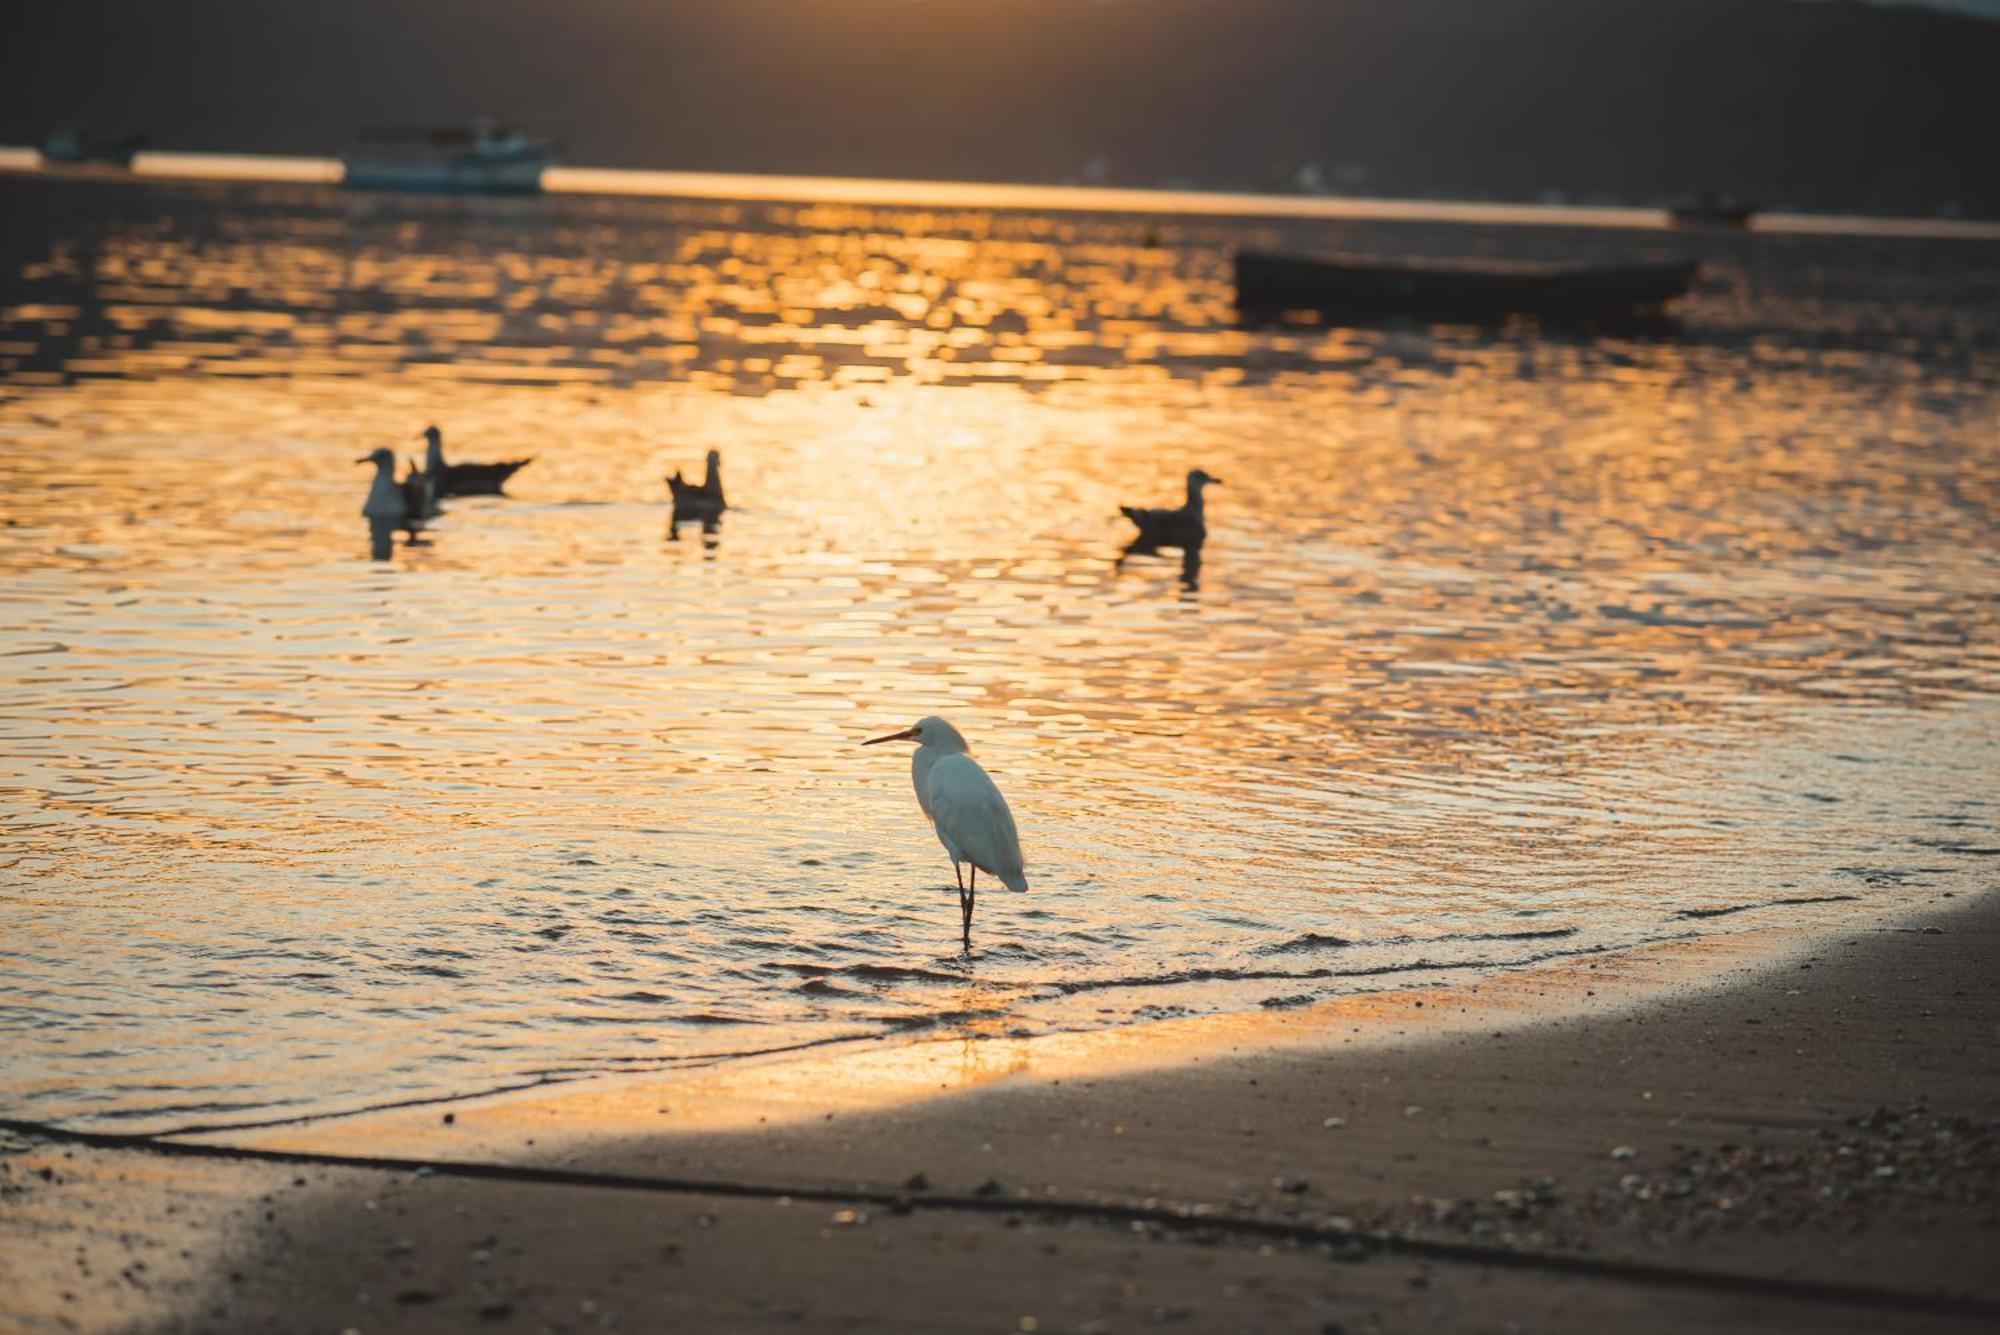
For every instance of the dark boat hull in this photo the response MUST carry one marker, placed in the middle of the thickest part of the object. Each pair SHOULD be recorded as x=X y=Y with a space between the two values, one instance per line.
x=1727 y=215
x=1363 y=287
x=457 y=176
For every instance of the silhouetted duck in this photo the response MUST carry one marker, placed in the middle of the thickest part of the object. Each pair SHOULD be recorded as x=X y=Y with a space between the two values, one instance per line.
x=696 y=502
x=1181 y=528
x=465 y=479
x=394 y=505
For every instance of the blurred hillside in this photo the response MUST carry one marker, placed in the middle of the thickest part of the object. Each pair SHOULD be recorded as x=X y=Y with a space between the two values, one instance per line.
x=1834 y=105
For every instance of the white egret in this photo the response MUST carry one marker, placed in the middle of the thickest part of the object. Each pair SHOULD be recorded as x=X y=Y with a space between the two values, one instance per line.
x=965 y=808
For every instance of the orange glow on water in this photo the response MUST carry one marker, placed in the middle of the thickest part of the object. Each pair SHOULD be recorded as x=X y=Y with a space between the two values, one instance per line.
x=1506 y=642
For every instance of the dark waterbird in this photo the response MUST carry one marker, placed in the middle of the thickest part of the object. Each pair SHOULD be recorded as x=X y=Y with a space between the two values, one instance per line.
x=699 y=501
x=1366 y=287
x=465 y=479
x=1182 y=527
x=392 y=504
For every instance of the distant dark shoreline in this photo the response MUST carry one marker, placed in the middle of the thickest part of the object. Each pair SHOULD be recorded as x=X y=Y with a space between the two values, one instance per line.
x=751 y=187
x=1822 y=107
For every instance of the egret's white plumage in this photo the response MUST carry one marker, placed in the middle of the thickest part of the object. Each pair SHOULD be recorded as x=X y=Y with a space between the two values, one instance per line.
x=973 y=822
x=965 y=808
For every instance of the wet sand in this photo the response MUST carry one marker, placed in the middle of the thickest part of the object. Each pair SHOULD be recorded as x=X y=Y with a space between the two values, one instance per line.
x=1812 y=1144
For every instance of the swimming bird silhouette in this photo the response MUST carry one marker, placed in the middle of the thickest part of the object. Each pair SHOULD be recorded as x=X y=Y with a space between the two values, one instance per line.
x=693 y=501
x=1181 y=528
x=965 y=808
x=392 y=505
x=465 y=479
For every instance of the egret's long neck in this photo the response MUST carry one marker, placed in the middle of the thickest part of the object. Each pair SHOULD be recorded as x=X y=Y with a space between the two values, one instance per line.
x=943 y=740
x=1194 y=497
x=434 y=454
x=712 y=479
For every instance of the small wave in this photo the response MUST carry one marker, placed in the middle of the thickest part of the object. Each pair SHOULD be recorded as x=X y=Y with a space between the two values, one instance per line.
x=899 y=973
x=1422 y=964
x=1885 y=875
x=1310 y=942
x=1767 y=904
x=711 y=1018
x=939 y=1019
x=1532 y=934
x=1304 y=944
x=1072 y=987
x=1537 y=934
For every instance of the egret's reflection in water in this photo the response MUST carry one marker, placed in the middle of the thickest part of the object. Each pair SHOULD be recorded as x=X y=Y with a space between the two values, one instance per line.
x=1505 y=643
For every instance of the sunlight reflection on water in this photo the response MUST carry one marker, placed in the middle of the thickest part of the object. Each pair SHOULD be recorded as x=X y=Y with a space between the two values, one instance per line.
x=1506 y=643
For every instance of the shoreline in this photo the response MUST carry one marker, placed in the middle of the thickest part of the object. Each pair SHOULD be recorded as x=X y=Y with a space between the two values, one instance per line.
x=1010 y=196
x=1666 y=1151
x=880 y=1073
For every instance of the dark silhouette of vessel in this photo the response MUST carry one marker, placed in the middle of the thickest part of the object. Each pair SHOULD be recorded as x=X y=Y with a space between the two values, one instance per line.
x=1363 y=286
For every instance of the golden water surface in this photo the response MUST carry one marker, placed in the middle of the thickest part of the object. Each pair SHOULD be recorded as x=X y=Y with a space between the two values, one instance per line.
x=1505 y=642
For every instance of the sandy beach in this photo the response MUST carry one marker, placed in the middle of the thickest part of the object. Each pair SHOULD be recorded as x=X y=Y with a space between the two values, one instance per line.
x=1810 y=1143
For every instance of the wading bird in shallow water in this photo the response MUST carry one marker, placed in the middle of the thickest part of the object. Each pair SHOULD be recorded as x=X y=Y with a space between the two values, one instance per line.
x=965 y=808
x=393 y=505
x=465 y=479
x=1183 y=528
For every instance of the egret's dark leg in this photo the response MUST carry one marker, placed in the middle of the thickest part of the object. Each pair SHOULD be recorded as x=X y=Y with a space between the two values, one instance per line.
x=964 y=913
x=971 y=899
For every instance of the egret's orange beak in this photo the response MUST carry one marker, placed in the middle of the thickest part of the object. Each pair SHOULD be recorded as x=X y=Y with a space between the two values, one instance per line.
x=905 y=735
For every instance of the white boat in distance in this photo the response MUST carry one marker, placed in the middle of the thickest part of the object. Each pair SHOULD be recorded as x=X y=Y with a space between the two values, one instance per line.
x=484 y=158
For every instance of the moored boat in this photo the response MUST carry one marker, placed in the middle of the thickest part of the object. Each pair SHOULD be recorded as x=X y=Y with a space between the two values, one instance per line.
x=1712 y=210
x=484 y=158
x=72 y=145
x=1366 y=286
